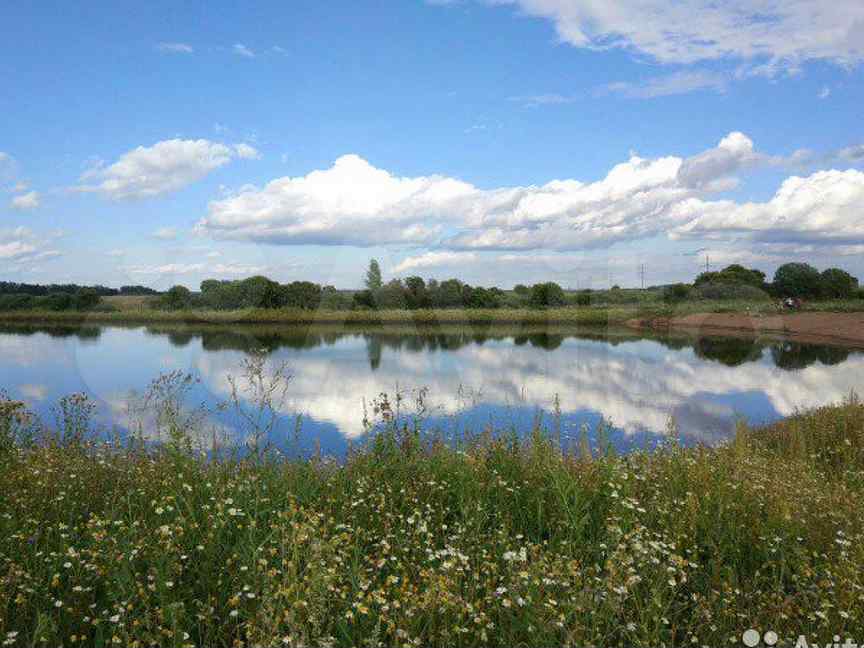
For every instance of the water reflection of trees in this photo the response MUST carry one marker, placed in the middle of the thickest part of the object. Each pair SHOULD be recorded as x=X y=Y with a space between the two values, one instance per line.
x=729 y=351
x=793 y=355
x=83 y=333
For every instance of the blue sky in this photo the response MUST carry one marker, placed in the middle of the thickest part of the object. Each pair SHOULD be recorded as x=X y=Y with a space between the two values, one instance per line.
x=518 y=140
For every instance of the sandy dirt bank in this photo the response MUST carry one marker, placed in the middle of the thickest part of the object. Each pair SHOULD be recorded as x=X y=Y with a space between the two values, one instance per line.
x=827 y=328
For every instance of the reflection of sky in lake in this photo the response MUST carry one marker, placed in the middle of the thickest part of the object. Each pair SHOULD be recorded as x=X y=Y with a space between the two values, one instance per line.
x=472 y=380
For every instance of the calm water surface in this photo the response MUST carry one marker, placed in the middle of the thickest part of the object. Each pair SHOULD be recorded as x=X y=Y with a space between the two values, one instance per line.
x=473 y=378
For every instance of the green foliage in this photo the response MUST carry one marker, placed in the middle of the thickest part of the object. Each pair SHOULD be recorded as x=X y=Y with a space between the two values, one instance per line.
x=363 y=299
x=838 y=284
x=676 y=293
x=797 y=280
x=502 y=541
x=733 y=274
x=177 y=298
x=521 y=289
x=725 y=291
x=545 y=295
x=583 y=298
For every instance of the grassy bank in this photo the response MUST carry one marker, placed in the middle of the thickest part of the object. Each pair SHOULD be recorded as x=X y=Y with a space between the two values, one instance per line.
x=500 y=543
x=581 y=315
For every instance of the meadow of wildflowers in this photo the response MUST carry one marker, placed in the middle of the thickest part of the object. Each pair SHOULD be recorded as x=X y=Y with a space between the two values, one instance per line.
x=499 y=542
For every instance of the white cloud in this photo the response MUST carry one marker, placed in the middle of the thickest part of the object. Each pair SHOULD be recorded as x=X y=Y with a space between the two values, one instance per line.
x=241 y=50
x=165 y=167
x=782 y=31
x=165 y=233
x=822 y=208
x=354 y=203
x=733 y=153
x=433 y=260
x=672 y=84
x=174 y=48
x=825 y=92
x=217 y=270
x=26 y=201
x=21 y=245
x=247 y=152
x=116 y=253
x=350 y=203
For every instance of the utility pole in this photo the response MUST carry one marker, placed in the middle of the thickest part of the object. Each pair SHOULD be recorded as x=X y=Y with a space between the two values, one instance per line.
x=642 y=275
x=707 y=263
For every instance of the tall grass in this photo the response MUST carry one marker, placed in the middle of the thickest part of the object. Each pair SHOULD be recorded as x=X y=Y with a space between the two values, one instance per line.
x=500 y=542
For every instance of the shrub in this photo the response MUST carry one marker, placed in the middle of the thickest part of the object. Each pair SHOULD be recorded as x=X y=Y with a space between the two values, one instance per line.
x=676 y=293
x=723 y=291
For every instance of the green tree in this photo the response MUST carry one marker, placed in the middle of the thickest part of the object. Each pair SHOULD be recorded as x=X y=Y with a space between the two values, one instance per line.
x=416 y=295
x=547 y=294
x=374 y=280
x=177 y=298
x=797 y=280
x=838 y=284
x=733 y=274
x=85 y=299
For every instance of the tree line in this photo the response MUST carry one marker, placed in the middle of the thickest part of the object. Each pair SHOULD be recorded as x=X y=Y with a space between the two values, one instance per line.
x=60 y=297
x=732 y=282
x=797 y=280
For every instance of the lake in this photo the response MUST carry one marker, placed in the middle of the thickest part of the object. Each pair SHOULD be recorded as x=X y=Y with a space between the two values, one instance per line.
x=470 y=378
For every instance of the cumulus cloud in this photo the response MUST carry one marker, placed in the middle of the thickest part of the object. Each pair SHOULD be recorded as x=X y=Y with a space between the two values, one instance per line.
x=783 y=32
x=733 y=153
x=354 y=203
x=21 y=245
x=26 y=201
x=350 y=203
x=824 y=207
x=165 y=167
x=174 y=48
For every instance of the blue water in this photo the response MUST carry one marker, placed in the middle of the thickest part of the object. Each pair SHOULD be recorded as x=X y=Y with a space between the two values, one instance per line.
x=469 y=381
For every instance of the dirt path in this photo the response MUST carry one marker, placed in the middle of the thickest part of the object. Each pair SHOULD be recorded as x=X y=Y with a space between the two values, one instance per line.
x=828 y=328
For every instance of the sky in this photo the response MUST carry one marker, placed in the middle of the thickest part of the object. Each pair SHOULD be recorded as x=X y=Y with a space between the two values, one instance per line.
x=498 y=141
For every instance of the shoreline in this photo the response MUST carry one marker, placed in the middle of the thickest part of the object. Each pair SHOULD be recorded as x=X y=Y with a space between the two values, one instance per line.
x=846 y=329
x=838 y=326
